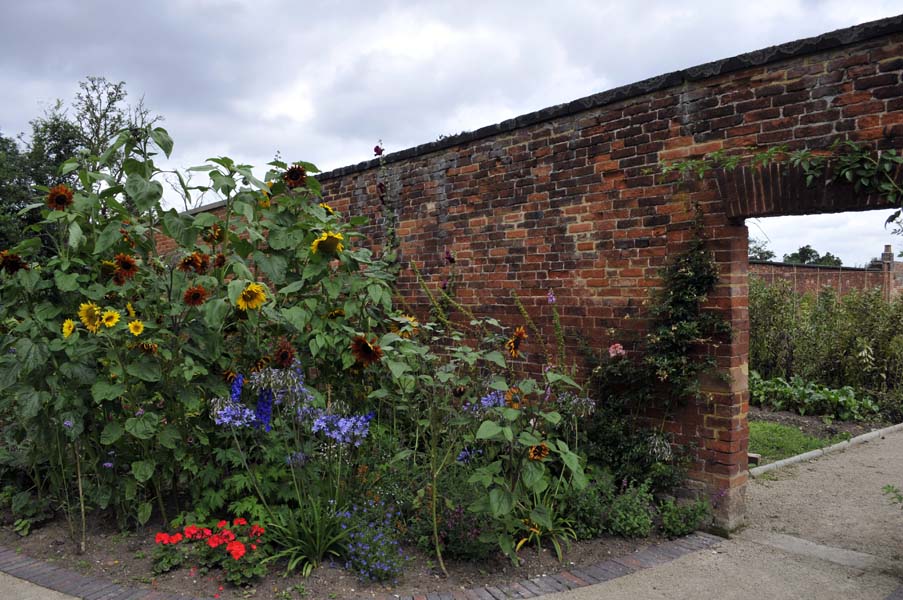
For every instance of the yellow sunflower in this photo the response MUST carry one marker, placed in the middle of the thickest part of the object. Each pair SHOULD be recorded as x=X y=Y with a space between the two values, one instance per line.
x=329 y=242
x=130 y=309
x=89 y=315
x=252 y=297
x=68 y=327
x=110 y=317
x=327 y=208
x=136 y=327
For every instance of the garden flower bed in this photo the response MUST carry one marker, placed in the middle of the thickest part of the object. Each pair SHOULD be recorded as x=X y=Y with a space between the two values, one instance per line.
x=259 y=394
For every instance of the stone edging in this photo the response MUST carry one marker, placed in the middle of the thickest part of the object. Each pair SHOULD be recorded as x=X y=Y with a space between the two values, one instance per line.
x=88 y=588
x=860 y=439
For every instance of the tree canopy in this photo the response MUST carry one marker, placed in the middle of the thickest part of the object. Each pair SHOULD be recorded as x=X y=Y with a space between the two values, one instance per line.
x=807 y=255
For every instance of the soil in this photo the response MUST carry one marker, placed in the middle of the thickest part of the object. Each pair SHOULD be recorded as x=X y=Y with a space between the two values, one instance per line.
x=815 y=426
x=125 y=559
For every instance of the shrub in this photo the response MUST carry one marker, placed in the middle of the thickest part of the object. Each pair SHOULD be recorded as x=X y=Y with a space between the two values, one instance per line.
x=587 y=508
x=372 y=550
x=631 y=512
x=810 y=398
x=683 y=519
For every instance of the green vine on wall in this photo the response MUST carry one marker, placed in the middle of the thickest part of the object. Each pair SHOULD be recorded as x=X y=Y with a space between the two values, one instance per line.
x=870 y=171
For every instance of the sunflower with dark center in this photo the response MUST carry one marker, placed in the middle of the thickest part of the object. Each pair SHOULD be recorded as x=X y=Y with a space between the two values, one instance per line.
x=59 y=197
x=219 y=261
x=251 y=298
x=195 y=295
x=538 y=452
x=201 y=262
x=229 y=375
x=365 y=352
x=126 y=265
x=513 y=344
x=294 y=177
x=186 y=263
x=260 y=364
x=214 y=234
x=284 y=354
x=11 y=262
x=513 y=397
x=329 y=242
x=147 y=347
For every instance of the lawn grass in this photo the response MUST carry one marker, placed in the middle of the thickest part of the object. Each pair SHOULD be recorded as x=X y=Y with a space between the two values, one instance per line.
x=775 y=441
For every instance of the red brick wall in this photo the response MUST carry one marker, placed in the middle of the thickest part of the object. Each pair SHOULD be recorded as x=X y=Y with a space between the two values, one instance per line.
x=806 y=278
x=563 y=200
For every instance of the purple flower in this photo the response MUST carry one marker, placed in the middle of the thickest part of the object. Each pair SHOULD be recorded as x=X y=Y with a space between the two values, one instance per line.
x=493 y=399
x=237 y=384
x=449 y=257
x=551 y=297
x=264 y=411
x=296 y=459
x=468 y=454
x=107 y=465
x=139 y=412
x=378 y=150
x=67 y=424
x=234 y=414
x=343 y=430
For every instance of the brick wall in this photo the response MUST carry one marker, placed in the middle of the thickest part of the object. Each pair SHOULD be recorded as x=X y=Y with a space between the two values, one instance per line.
x=562 y=199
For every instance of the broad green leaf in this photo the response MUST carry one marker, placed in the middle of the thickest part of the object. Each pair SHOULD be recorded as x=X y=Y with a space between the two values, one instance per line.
x=169 y=437
x=500 y=502
x=104 y=390
x=552 y=417
x=528 y=439
x=236 y=287
x=397 y=368
x=144 y=513
x=215 y=312
x=145 y=369
x=143 y=427
x=496 y=357
x=76 y=236
x=143 y=470
x=109 y=236
x=489 y=430
x=161 y=137
x=111 y=433
x=66 y=282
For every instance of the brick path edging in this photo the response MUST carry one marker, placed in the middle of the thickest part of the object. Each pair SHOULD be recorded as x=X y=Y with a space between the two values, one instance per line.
x=90 y=588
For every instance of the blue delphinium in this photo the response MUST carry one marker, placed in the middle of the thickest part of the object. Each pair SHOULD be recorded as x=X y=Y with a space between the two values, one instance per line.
x=296 y=459
x=372 y=551
x=264 y=411
x=237 y=385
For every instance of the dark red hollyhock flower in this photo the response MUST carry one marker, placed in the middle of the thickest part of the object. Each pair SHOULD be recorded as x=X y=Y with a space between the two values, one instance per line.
x=378 y=150
x=284 y=354
x=366 y=352
x=11 y=262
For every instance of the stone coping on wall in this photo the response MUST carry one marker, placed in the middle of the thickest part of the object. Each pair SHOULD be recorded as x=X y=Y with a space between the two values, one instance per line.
x=81 y=586
x=814 y=267
x=764 y=56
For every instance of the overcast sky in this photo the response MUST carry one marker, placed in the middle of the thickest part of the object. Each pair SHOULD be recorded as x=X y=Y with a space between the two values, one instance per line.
x=323 y=81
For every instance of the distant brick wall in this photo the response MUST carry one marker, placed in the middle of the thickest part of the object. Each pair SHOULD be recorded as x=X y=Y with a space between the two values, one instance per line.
x=562 y=199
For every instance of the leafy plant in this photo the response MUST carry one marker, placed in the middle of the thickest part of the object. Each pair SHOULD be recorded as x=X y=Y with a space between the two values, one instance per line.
x=306 y=536
x=631 y=512
x=683 y=519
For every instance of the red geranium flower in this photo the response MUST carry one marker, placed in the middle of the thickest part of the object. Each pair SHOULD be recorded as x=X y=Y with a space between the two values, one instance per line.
x=175 y=538
x=161 y=538
x=222 y=524
x=240 y=521
x=257 y=530
x=227 y=535
x=192 y=532
x=216 y=540
x=236 y=549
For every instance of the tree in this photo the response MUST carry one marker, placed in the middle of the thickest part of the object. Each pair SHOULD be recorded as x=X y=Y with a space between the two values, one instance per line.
x=758 y=250
x=807 y=255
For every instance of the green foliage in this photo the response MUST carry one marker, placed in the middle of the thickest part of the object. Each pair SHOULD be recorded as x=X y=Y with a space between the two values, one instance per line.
x=631 y=512
x=306 y=536
x=683 y=519
x=775 y=441
x=807 y=255
x=853 y=340
x=587 y=508
x=809 y=398
x=758 y=250
x=894 y=493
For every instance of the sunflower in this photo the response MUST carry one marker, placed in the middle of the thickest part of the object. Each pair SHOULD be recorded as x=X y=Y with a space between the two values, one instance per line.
x=130 y=309
x=513 y=345
x=538 y=452
x=408 y=328
x=68 y=327
x=136 y=327
x=294 y=177
x=252 y=297
x=512 y=397
x=147 y=347
x=59 y=197
x=125 y=265
x=219 y=261
x=260 y=364
x=327 y=208
x=89 y=315
x=229 y=375
x=214 y=234
x=335 y=314
x=366 y=353
x=266 y=196
x=329 y=242
x=284 y=354
x=11 y=262
x=110 y=317
x=186 y=263
x=195 y=296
